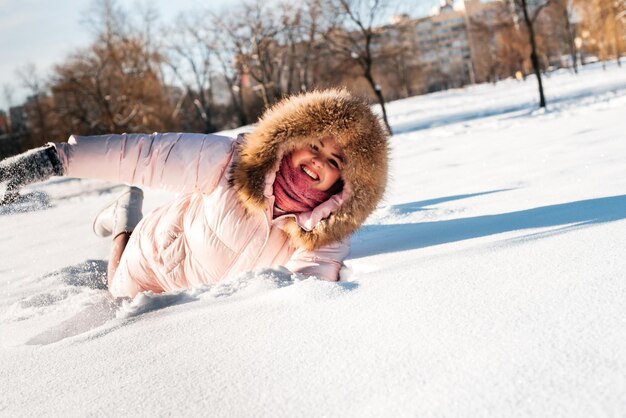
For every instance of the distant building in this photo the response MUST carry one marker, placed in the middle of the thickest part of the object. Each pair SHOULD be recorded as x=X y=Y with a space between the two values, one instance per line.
x=444 y=49
x=449 y=49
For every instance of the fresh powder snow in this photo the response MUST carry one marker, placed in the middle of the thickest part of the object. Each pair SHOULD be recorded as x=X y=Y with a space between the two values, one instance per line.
x=490 y=282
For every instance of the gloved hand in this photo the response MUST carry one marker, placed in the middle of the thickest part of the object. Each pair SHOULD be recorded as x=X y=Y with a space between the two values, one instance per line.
x=35 y=165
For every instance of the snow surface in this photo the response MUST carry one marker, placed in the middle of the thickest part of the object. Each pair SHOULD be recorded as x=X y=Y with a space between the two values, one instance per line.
x=489 y=283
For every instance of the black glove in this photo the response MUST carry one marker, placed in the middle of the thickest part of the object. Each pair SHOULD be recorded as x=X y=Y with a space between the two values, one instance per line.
x=38 y=164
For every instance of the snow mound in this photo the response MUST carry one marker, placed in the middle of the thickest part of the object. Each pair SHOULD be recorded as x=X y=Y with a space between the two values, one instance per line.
x=248 y=285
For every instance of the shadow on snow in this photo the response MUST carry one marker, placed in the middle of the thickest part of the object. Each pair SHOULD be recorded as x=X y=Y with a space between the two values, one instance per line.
x=379 y=239
x=406 y=208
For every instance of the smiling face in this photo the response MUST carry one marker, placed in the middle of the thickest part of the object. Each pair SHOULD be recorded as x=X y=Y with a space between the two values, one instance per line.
x=321 y=161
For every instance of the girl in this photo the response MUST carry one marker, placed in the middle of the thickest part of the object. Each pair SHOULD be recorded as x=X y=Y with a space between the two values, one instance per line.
x=290 y=193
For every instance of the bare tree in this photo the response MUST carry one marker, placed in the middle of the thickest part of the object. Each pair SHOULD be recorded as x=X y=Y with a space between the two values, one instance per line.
x=301 y=25
x=248 y=56
x=37 y=105
x=352 y=38
x=483 y=50
x=530 y=10
x=399 y=66
x=231 y=68
x=566 y=10
x=254 y=34
x=191 y=51
x=114 y=85
x=619 y=12
x=602 y=29
x=7 y=92
x=620 y=7
x=290 y=36
x=494 y=43
x=611 y=9
x=314 y=24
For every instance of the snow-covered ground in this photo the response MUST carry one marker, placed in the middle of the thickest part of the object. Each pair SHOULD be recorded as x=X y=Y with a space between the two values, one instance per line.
x=491 y=282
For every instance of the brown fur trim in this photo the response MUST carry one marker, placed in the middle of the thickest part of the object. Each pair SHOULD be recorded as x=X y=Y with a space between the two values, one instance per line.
x=295 y=122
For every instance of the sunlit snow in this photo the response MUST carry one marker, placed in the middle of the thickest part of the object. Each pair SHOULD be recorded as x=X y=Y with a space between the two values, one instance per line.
x=490 y=282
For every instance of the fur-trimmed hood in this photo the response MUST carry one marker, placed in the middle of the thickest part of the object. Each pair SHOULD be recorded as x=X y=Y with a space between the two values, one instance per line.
x=297 y=121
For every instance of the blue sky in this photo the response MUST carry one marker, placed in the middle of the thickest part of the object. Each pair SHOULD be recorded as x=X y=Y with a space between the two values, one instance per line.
x=43 y=31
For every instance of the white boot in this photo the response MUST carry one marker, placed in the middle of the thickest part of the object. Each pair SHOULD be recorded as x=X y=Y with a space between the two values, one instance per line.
x=121 y=215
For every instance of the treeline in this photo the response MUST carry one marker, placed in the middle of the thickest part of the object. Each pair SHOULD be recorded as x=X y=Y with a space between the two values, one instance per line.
x=208 y=71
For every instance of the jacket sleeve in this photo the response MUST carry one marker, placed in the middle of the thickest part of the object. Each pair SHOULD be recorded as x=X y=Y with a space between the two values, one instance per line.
x=176 y=162
x=324 y=262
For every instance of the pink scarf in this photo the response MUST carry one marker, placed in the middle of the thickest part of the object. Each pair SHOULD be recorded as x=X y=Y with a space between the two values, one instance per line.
x=293 y=191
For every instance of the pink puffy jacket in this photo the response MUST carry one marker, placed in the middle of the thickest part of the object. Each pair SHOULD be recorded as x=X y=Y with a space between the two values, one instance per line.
x=204 y=235
x=222 y=222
